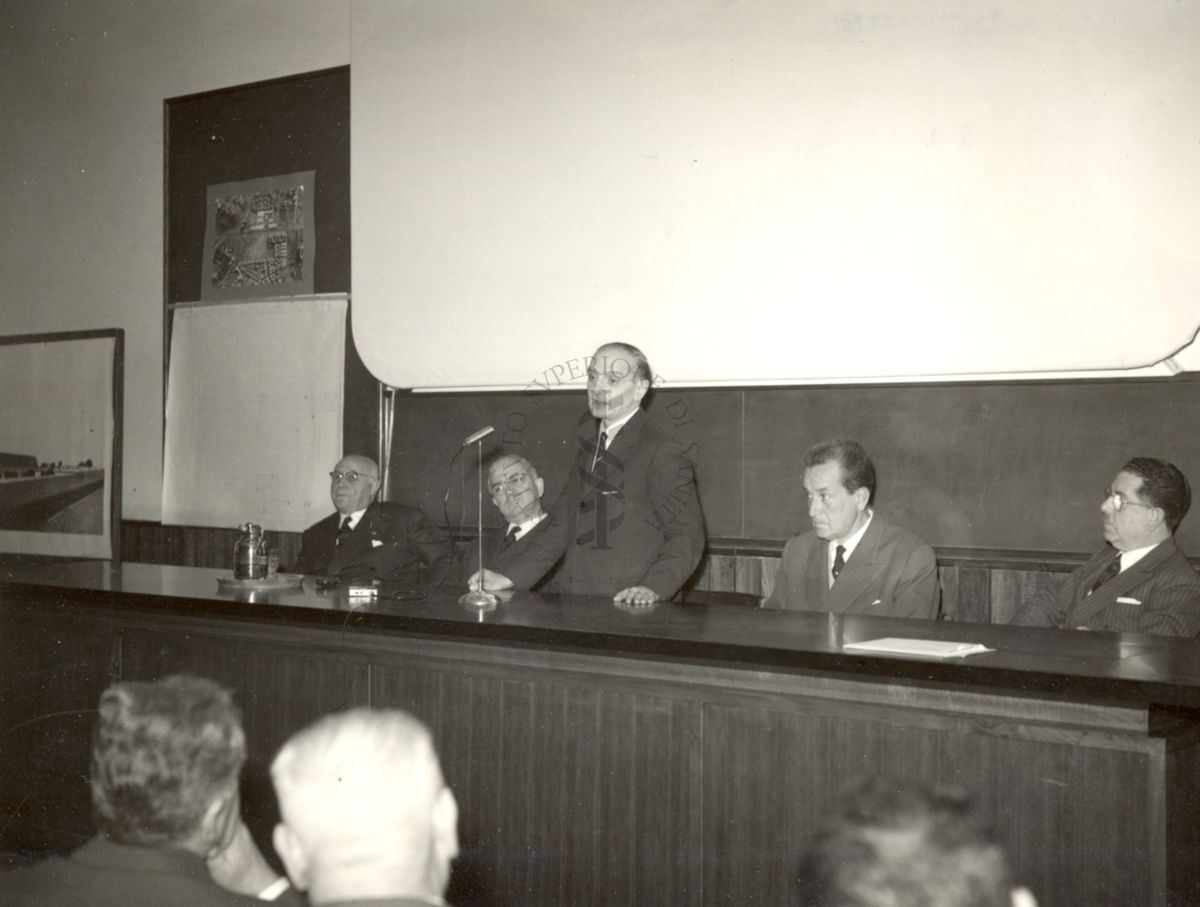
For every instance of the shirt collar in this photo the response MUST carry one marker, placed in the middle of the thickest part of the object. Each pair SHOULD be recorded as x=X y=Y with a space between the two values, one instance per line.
x=524 y=527
x=851 y=543
x=354 y=517
x=1129 y=558
x=612 y=430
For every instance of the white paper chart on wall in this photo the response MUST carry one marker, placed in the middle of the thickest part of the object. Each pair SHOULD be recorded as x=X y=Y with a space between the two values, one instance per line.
x=254 y=412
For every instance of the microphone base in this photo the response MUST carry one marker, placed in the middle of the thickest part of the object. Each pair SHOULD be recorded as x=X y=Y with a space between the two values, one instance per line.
x=479 y=599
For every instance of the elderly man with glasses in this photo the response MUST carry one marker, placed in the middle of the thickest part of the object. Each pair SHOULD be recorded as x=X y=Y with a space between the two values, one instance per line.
x=516 y=490
x=1140 y=582
x=366 y=539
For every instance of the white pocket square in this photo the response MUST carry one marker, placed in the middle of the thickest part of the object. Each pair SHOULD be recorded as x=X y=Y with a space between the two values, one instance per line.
x=375 y=543
x=1126 y=600
x=878 y=601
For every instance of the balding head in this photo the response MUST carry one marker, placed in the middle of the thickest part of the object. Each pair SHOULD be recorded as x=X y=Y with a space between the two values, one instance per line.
x=365 y=809
x=353 y=483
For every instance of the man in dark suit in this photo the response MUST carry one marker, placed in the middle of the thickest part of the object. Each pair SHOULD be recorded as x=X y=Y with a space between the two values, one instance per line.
x=516 y=490
x=853 y=562
x=165 y=762
x=1140 y=582
x=368 y=539
x=366 y=816
x=628 y=521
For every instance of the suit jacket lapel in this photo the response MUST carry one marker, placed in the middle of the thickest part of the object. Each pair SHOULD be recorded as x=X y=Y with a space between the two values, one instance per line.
x=861 y=569
x=1093 y=604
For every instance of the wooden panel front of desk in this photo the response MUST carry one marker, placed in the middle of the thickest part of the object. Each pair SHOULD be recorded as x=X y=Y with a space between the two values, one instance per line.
x=592 y=778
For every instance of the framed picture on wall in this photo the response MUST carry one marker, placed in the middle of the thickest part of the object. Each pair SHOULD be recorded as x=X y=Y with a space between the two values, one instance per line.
x=60 y=446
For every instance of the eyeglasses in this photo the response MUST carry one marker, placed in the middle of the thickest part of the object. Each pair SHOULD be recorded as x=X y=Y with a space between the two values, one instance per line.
x=352 y=477
x=513 y=484
x=1119 y=501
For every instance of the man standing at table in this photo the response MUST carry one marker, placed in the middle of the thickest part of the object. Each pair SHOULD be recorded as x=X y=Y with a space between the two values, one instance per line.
x=367 y=539
x=628 y=522
x=853 y=562
x=1140 y=582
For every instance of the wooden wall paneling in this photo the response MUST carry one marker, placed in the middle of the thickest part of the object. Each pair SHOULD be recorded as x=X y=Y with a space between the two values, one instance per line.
x=948 y=586
x=572 y=794
x=975 y=595
x=1011 y=589
x=53 y=672
x=770 y=774
x=1178 y=828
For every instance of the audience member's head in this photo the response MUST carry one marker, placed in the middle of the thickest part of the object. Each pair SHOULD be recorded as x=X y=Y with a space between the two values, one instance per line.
x=353 y=483
x=839 y=479
x=893 y=843
x=365 y=811
x=618 y=377
x=515 y=487
x=166 y=756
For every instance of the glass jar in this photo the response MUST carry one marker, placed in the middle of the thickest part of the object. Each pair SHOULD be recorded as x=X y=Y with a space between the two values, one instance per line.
x=250 y=553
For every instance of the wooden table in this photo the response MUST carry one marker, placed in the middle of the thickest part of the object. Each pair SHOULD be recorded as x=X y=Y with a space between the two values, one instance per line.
x=678 y=755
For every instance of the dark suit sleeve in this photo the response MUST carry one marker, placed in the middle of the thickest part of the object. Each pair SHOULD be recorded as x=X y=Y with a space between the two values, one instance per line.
x=1173 y=609
x=544 y=549
x=917 y=590
x=430 y=543
x=672 y=484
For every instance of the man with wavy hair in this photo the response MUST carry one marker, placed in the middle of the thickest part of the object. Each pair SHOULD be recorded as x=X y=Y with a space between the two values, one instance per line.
x=166 y=756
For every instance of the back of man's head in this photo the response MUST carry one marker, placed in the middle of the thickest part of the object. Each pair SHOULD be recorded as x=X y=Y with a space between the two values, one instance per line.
x=365 y=811
x=165 y=755
x=890 y=843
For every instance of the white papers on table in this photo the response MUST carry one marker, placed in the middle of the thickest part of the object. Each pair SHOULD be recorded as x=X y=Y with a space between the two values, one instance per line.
x=928 y=648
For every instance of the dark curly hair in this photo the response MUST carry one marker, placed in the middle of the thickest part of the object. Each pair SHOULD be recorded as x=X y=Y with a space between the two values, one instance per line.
x=162 y=752
x=1163 y=485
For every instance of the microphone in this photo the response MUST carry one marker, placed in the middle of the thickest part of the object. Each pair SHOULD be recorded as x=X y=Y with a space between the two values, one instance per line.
x=478 y=436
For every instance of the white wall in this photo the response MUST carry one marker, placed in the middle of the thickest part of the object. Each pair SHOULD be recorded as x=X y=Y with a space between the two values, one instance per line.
x=82 y=84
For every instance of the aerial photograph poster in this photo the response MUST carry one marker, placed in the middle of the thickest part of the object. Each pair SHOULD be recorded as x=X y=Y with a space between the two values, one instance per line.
x=259 y=238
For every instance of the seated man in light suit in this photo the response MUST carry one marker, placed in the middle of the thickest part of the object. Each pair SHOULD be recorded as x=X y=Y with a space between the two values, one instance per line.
x=628 y=522
x=853 y=562
x=516 y=490
x=1140 y=582
x=366 y=816
x=368 y=539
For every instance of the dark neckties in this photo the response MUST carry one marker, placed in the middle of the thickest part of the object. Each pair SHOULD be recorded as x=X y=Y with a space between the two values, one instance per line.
x=601 y=445
x=509 y=537
x=1113 y=568
x=839 y=561
x=343 y=532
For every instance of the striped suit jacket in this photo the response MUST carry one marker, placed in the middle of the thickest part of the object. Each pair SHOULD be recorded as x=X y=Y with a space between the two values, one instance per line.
x=1160 y=594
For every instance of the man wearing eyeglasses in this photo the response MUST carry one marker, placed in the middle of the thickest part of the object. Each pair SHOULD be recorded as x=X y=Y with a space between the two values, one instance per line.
x=368 y=539
x=516 y=490
x=1140 y=582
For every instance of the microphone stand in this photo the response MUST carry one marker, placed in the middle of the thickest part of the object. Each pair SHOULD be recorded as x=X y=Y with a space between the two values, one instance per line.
x=479 y=598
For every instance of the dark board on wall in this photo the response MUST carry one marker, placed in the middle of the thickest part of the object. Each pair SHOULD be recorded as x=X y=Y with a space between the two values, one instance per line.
x=1014 y=466
x=280 y=126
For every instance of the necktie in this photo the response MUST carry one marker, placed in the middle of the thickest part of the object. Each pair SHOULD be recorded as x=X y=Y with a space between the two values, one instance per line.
x=1113 y=568
x=839 y=561
x=510 y=537
x=343 y=532
x=601 y=445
